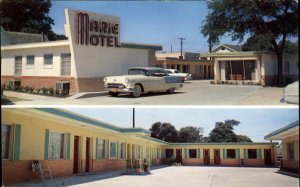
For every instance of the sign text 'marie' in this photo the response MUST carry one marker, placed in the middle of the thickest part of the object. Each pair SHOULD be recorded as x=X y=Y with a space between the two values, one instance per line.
x=96 y=32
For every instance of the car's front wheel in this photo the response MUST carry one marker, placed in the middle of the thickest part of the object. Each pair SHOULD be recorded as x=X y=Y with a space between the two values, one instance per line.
x=113 y=94
x=137 y=91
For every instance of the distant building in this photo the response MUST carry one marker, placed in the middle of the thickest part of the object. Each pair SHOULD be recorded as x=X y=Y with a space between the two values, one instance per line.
x=192 y=63
x=233 y=64
x=289 y=135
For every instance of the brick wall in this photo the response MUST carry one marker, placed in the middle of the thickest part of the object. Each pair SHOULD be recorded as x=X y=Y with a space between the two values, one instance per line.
x=108 y=164
x=192 y=162
x=254 y=162
x=21 y=170
x=230 y=162
x=291 y=164
x=41 y=82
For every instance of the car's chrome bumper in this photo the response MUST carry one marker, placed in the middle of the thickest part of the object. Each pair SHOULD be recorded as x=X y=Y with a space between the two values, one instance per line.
x=119 y=90
x=290 y=98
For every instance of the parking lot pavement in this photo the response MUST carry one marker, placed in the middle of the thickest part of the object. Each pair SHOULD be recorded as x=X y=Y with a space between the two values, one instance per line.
x=195 y=176
x=196 y=92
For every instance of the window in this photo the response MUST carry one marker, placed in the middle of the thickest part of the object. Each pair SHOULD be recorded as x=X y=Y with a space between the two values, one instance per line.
x=185 y=68
x=56 y=145
x=100 y=149
x=287 y=67
x=18 y=65
x=252 y=154
x=192 y=153
x=230 y=153
x=113 y=149
x=30 y=60
x=290 y=151
x=199 y=69
x=177 y=67
x=65 y=64
x=5 y=136
x=48 y=59
x=169 y=153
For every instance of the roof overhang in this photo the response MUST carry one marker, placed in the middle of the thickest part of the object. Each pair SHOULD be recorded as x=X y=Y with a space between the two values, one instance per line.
x=141 y=46
x=36 y=45
x=282 y=133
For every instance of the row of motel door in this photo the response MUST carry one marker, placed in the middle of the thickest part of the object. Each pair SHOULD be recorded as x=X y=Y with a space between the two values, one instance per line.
x=217 y=156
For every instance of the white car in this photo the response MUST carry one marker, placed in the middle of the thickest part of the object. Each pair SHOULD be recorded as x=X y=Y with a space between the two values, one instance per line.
x=142 y=80
x=291 y=93
x=175 y=72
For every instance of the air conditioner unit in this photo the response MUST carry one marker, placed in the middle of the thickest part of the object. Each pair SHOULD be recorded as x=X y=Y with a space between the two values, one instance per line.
x=14 y=84
x=63 y=87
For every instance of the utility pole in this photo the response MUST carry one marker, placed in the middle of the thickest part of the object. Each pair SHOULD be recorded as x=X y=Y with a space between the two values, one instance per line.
x=171 y=49
x=133 y=119
x=181 y=39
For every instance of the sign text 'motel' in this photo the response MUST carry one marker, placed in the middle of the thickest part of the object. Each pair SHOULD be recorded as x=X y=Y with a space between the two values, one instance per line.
x=96 y=32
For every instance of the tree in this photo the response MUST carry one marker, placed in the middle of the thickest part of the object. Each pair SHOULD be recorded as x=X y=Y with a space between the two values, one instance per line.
x=223 y=131
x=30 y=16
x=278 y=20
x=243 y=138
x=190 y=134
x=164 y=131
x=263 y=43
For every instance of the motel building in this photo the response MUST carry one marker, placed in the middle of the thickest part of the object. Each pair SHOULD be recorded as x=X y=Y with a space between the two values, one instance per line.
x=289 y=135
x=231 y=64
x=92 y=51
x=68 y=143
x=200 y=68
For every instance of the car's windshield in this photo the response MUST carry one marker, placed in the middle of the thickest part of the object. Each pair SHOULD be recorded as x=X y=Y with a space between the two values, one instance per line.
x=169 y=72
x=176 y=71
x=158 y=72
x=138 y=72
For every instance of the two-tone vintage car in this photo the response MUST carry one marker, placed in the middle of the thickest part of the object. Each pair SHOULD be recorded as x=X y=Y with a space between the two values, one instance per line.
x=175 y=72
x=142 y=80
x=291 y=93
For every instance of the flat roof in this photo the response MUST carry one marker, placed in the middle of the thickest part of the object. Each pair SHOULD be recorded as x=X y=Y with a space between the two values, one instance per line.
x=283 y=129
x=141 y=46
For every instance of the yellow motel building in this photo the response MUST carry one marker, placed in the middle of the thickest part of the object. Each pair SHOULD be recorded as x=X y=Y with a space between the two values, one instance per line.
x=289 y=135
x=69 y=143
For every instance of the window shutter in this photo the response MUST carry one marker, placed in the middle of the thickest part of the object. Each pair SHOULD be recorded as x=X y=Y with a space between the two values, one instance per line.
x=237 y=153
x=107 y=149
x=118 y=151
x=97 y=150
x=67 y=136
x=245 y=154
x=46 y=144
x=224 y=154
x=186 y=153
x=199 y=153
x=258 y=153
x=17 y=142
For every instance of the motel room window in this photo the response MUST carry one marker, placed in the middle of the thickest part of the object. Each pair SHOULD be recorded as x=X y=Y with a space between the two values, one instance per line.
x=66 y=64
x=100 y=148
x=30 y=60
x=18 y=65
x=5 y=136
x=56 y=146
x=185 y=68
x=113 y=149
x=169 y=153
x=290 y=151
x=192 y=153
x=48 y=59
x=252 y=154
x=230 y=153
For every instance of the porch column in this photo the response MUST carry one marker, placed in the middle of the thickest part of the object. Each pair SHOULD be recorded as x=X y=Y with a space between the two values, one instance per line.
x=223 y=71
x=258 y=73
x=216 y=69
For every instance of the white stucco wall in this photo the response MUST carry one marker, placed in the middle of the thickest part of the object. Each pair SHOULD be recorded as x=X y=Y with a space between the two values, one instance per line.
x=38 y=69
x=269 y=64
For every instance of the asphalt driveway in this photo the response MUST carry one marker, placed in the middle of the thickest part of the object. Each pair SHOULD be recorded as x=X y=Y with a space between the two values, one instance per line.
x=197 y=92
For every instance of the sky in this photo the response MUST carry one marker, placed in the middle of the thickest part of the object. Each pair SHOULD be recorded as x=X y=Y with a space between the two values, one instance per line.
x=148 y=22
x=255 y=123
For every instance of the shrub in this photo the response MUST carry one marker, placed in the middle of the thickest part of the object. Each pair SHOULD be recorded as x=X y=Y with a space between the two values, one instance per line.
x=44 y=90
x=26 y=89
x=56 y=92
x=38 y=91
x=31 y=89
x=51 y=91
